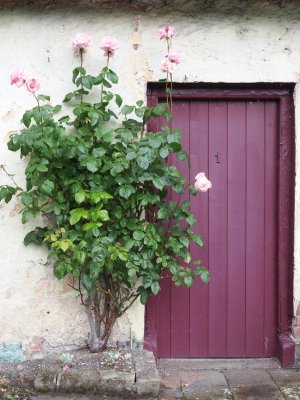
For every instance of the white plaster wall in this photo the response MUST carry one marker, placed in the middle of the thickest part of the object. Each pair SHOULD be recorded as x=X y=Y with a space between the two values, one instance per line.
x=258 y=44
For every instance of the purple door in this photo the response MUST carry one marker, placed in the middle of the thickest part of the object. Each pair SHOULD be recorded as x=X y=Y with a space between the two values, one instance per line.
x=236 y=143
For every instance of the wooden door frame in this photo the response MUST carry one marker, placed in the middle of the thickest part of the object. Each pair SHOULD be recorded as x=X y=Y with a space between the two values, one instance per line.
x=283 y=94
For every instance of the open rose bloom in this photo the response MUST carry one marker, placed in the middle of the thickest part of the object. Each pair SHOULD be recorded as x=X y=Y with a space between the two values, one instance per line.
x=17 y=78
x=109 y=45
x=166 y=32
x=32 y=85
x=174 y=57
x=171 y=61
x=202 y=184
x=81 y=41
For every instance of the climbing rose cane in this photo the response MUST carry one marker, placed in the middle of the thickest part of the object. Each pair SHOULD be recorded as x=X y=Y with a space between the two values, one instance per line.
x=202 y=184
x=81 y=41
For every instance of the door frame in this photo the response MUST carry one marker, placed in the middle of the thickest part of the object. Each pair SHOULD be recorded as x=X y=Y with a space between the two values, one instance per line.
x=283 y=94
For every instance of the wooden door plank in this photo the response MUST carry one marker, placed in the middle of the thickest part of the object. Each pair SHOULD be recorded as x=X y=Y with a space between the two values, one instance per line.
x=218 y=229
x=271 y=185
x=236 y=228
x=180 y=302
x=199 y=206
x=255 y=215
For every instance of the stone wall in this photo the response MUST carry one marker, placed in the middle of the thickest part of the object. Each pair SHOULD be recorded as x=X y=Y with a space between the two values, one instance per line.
x=228 y=41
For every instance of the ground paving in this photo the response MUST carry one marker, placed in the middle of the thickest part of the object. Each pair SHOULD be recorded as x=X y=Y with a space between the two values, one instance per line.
x=214 y=380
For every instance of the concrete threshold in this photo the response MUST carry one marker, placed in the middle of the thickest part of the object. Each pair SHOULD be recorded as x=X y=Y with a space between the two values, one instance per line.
x=217 y=363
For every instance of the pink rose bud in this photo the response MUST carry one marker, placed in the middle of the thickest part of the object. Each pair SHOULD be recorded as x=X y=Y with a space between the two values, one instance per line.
x=166 y=32
x=174 y=57
x=109 y=45
x=81 y=41
x=202 y=184
x=32 y=85
x=168 y=66
x=17 y=78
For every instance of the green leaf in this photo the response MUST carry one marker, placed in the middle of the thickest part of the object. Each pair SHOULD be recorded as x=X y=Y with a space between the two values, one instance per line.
x=188 y=280
x=43 y=97
x=205 y=276
x=138 y=235
x=77 y=214
x=185 y=241
x=127 y=110
x=196 y=238
x=27 y=214
x=139 y=103
x=164 y=152
x=80 y=197
x=143 y=162
x=92 y=165
x=64 y=244
x=103 y=215
x=155 y=288
x=47 y=187
x=126 y=191
x=94 y=118
x=98 y=152
x=144 y=297
x=126 y=135
x=27 y=118
x=60 y=269
x=175 y=146
x=87 y=283
x=131 y=156
x=112 y=76
x=191 y=220
x=26 y=198
x=158 y=183
x=91 y=225
x=68 y=97
x=118 y=100
x=87 y=81
x=37 y=236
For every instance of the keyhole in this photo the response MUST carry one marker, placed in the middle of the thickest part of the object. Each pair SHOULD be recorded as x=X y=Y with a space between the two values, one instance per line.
x=218 y=155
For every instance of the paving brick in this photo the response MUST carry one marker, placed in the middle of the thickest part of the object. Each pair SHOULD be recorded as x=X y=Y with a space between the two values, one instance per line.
x=170 y=379
x=257 y=392
x=195 y=392
x=285 y=376
x=251 y=377
x=202 y=379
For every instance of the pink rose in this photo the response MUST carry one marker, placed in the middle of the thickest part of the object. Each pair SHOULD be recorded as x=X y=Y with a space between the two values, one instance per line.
x=174 y=57
x=81 y=41
x=109 y=45
x=166 y=32
x=168 y=66
x=17 y=78
x=32 y=85
x=202 y=184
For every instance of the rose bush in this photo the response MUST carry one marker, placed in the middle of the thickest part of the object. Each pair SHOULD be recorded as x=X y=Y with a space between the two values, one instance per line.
x=103 y=193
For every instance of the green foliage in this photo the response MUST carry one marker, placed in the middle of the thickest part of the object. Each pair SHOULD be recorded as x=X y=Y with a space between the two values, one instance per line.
x=103 y=193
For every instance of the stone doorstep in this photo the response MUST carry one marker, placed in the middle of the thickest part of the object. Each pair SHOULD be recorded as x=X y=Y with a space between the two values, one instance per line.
x=140 y=379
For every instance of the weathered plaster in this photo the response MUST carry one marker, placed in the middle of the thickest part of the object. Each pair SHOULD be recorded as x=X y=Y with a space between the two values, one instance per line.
x=227 y=44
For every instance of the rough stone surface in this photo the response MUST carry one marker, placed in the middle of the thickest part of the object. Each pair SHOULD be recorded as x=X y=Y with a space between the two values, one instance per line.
x=219 y=41
x=89 y=373
x=147 y=376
